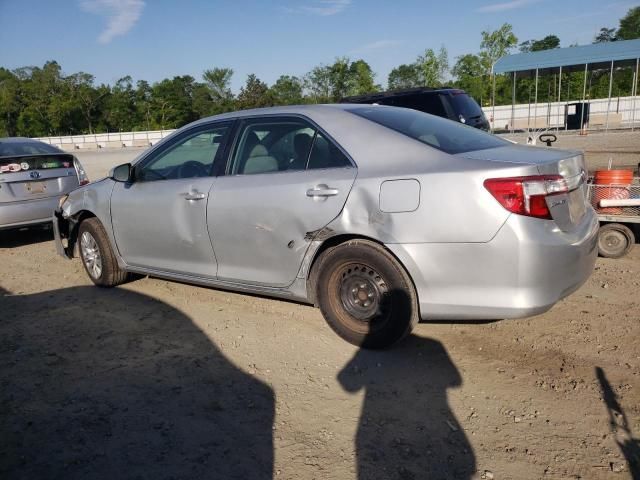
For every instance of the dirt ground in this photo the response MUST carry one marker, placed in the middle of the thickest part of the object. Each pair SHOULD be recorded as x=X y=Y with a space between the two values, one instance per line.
x=158 y=379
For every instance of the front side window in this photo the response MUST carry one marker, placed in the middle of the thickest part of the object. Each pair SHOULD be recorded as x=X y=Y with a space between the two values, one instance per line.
x=190 y=157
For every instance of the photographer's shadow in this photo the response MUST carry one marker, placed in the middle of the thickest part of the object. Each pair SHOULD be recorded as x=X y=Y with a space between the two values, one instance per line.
x=407 y=429
x=108 y=383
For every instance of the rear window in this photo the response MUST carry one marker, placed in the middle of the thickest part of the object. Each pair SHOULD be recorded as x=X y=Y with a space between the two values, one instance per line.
x=446 y=135
x=464 y=105
x=41 y=162
x=25 y=148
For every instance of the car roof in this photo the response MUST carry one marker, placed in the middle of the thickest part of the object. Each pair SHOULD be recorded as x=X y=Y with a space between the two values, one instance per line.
x=306 y=110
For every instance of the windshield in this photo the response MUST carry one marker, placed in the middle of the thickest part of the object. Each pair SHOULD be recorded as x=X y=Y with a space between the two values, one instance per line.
x=464 y=105
x=446 y=135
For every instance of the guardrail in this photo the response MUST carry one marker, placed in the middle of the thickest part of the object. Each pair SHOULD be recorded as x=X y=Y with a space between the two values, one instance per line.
x=107 y=140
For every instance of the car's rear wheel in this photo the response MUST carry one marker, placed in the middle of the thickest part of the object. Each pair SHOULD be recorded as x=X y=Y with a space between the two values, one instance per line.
x=365 y=295
x=615 y=240
x=97 y=256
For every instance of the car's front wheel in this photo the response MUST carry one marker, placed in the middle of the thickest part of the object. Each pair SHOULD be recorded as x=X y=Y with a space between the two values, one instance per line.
x=97 y=256
x=365 y=295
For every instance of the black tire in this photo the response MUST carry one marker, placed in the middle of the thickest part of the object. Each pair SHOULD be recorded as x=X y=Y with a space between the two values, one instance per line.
x=365 y=295
x=615 y=240
x=108 y=274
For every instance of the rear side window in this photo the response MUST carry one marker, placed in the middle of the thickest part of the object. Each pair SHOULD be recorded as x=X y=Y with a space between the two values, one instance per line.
x=41 y=162
x=446 y=135
x=271 y=145
x=325 y=154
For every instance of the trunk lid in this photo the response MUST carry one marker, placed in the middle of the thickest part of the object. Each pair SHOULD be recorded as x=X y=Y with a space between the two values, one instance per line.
x=568 y=208
x=31 y=177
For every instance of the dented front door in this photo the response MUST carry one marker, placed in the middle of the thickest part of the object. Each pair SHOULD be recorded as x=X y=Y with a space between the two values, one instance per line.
x=160 y=218
x=162 y=225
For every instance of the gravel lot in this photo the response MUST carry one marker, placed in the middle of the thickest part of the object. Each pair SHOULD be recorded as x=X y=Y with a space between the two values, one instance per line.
x=158 y=379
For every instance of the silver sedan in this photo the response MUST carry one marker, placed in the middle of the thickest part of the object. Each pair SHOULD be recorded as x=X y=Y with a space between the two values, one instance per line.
x=33 y=177
x=381 y=216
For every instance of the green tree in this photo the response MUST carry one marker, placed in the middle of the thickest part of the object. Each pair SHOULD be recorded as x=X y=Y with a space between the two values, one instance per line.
x=432 y=67
x=339 y=78
x=120 y=112
x=496 y=44
x=87 y=97
x=404 y=76
x=362 y=78
x=468 y=72
x=143 y=101
x=629 y=25
x=547 y=43
x=287 y=91
x=10 y=103
x=218 y=81
x=172 y=102
x=318 y=83
x=605 y=35
x=254 y=94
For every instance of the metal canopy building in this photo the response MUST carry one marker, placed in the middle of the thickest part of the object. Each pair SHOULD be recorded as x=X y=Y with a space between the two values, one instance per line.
x=599 y=56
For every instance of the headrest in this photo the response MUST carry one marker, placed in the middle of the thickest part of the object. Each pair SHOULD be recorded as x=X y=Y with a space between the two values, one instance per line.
x=259 y=151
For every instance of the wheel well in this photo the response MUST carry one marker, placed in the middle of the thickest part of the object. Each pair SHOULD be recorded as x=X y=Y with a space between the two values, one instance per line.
x=75 y=222
x=333 y=242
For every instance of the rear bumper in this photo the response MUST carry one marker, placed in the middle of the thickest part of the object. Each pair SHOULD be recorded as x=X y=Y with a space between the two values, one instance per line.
x=523 y=271
x=29 y=212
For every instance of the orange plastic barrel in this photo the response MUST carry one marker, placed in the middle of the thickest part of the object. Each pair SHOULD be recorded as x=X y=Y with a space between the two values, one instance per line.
x=611 y=184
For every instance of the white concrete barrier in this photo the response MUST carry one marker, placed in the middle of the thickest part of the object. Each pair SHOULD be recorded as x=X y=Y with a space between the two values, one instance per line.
x=107 y=140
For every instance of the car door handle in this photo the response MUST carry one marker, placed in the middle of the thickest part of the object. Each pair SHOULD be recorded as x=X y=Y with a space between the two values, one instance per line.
x=322 y=191
x=194 y=196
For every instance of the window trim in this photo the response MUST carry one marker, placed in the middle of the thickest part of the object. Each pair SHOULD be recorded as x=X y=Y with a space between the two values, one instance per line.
x=180 y=136
x=269 y=117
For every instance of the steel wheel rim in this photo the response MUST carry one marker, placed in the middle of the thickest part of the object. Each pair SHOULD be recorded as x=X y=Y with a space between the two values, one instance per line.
x=614 y=241
x=363 y=293
x=91 y=255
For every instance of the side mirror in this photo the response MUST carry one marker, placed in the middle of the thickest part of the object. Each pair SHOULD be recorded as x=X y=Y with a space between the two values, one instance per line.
x=121 y=173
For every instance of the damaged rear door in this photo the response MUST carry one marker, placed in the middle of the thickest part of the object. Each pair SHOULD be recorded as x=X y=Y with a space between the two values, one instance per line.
x=286 y=180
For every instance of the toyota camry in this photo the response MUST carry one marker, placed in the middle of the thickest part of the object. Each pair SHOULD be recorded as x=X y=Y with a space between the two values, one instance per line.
x=381 y=216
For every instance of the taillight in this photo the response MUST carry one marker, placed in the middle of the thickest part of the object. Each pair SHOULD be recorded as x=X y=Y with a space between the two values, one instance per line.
x=83 y=179
x=527 y=195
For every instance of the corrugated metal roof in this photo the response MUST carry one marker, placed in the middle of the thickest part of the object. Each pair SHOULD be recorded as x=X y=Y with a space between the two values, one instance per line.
x=598 y=53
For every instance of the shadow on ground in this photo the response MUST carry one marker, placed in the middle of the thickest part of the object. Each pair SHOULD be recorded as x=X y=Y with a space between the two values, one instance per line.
x=620 y=426
x=22 y=237
x=115 y=384
x=407 y=429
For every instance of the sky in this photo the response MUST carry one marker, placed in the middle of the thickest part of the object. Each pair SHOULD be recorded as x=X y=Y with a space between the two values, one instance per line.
x=155 y=39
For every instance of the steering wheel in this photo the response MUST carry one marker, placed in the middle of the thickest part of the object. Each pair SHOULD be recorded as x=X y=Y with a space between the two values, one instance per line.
x=192 y=169
x=548 y=138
